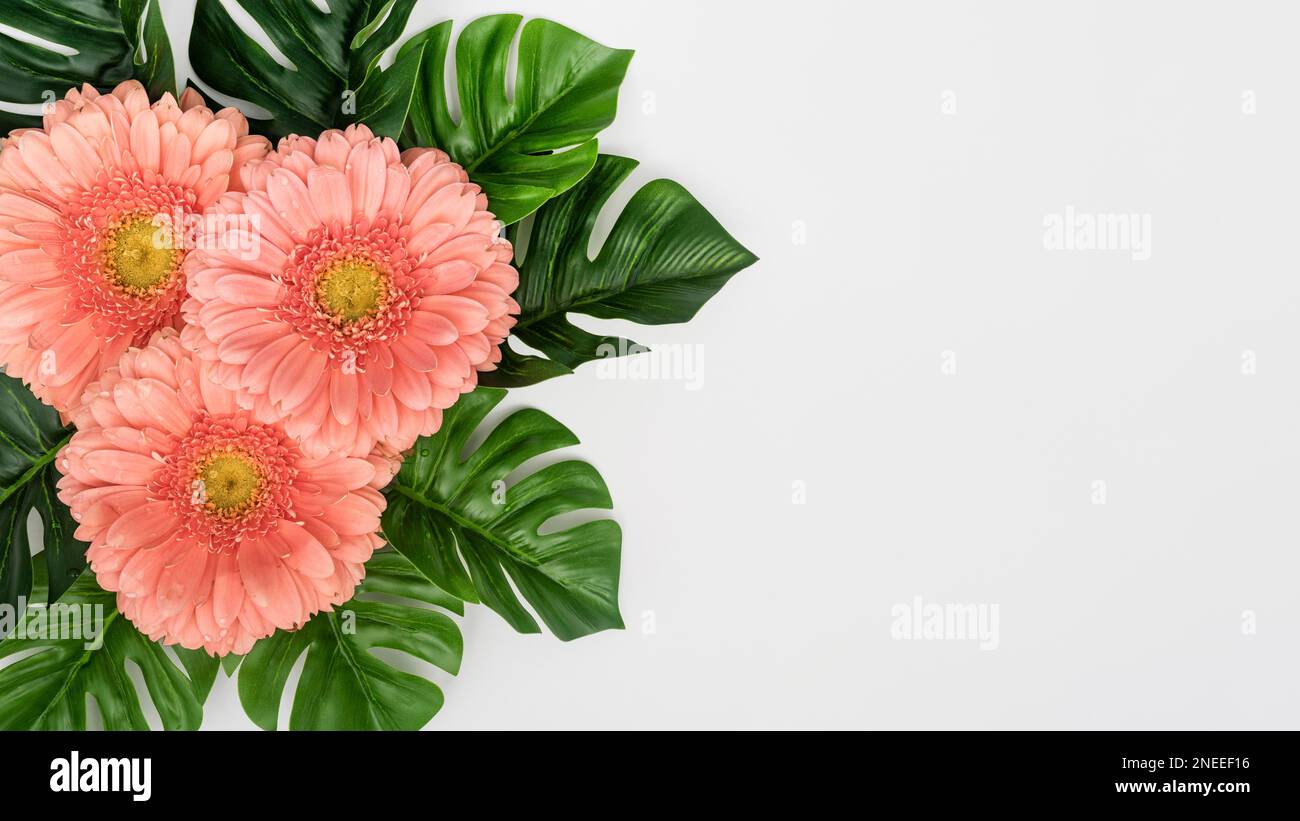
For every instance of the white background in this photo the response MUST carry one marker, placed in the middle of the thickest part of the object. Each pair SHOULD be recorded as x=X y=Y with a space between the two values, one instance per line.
x=823 y=365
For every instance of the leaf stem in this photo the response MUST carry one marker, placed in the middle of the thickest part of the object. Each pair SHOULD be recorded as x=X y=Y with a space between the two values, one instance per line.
x=37 y=467
x=461 y=521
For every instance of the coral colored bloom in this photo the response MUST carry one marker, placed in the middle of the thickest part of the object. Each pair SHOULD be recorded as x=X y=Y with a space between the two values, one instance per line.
x=381 y=287
x=212 y=528
x=90 y=246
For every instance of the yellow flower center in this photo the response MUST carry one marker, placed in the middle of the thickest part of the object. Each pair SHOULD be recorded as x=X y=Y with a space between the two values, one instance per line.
x=228 y=484
x=139 y=255
x=352 y=289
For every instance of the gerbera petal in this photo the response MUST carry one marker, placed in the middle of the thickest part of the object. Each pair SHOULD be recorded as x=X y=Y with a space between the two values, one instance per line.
x=239 y=347
x=330 y=195
x=142 y=528
x=343 y=396
x=415 y=355
x=249 y=290
x=292 y=202
x=432 y=328
x=377 y=256
x=104 y=169
x=180 y=579
x=306 y=554
x=146 y=142
x=411 y=388
x=227 y=591
x=257 y=373
x=119 y=467
x=352 y=516
x=297 y=376
x=268 y=582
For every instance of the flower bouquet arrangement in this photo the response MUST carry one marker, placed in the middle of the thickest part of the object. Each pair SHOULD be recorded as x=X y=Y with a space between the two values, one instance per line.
x=248 y=353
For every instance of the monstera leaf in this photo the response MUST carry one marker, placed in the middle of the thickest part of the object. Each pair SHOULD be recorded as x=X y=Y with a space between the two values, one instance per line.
x=565 y=92
x=471 y=535
x=664 y=259
x=344 y=685
x=153 y=64
x=109 y=41
x=335 y=79
x=201 y=669
x=47 y=690
x=30 y=437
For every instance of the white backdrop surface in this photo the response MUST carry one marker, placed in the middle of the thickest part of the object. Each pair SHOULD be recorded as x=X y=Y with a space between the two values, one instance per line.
x=951 y=399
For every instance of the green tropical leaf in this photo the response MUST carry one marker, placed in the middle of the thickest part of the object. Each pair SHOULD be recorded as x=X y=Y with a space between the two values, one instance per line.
x=665 y=258
x=201 y=669
x=526 y=150
x=517 y=370
x=47 y=689
x=335 y=79
x=344 y=685
x=472 y=536
x=31 y=434
x=103 y=36
x=230 y=663
x=152 y=60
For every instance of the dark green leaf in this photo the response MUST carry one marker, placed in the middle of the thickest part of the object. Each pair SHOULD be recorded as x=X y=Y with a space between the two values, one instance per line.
x=103 y=35
x=390 y=573
x=518 y=370
x=385 y=98
x=665 y=258
x=335 y=79
x=526 y=150
x=142 y=21
x=31 y=434
x=47 y=690
x=202 y=670
x=230 y=663
x=344 y=686
x=472 y=536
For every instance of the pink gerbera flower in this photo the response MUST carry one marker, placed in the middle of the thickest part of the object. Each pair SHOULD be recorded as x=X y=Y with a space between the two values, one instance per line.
x=380 y=286
x=93 y=210
x=213 y=529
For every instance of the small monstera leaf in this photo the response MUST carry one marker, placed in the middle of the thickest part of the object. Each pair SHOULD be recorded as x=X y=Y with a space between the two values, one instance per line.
x=335 y=79
x=30 y=437
x=344 y=685
x=47 y=689
x=527 y=149
x=468 y=533
x=665 y=258
x=109 y=40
